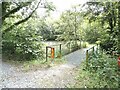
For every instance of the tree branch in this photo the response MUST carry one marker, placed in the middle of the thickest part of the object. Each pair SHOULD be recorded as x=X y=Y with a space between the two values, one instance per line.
x=21 y=21
x=14 y=10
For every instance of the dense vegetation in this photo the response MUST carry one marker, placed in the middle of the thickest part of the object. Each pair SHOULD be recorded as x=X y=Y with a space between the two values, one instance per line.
x=107 y=13
x=23 y=31
x=102 y=72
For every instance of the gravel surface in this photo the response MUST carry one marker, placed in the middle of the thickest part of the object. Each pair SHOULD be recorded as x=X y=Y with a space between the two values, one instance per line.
x=54 y=77
x=58 y=76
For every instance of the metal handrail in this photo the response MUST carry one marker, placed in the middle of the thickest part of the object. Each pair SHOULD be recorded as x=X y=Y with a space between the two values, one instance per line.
x=87 y=53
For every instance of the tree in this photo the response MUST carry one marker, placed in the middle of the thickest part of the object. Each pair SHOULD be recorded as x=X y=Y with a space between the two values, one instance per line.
x=118 y=44
x=21 y=39
x=107 y=14
x=69 y=27
x=24 y=10
x=93 y=31
x=46 y=30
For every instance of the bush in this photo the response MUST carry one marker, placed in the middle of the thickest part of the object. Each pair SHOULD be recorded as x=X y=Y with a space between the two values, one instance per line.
x=106 y=69
x=84 y=44
x=102 y=72
x=22 y=43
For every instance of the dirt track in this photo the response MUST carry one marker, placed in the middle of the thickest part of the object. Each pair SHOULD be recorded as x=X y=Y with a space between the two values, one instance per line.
x=55 y=77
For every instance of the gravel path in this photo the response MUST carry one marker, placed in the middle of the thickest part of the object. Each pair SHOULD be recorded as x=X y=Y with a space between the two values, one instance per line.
x=55 y=77
x=58 y=76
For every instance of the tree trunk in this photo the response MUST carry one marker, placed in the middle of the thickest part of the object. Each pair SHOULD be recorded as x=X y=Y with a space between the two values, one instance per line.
x=118 y=28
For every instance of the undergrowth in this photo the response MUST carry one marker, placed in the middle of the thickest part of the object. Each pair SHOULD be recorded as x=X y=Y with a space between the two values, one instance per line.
x=102 y=72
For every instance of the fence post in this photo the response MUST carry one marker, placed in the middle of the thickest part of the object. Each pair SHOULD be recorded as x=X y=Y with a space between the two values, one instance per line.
x=60 y=50
x=46 y=53
x=93 y=49
x=52 y=53
x=97 y=48
x=87 y=58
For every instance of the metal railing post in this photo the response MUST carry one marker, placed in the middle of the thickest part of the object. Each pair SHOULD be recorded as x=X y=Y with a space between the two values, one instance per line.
x=93 y=49
x=60 y=50
x=87 y=58
x=46 y=53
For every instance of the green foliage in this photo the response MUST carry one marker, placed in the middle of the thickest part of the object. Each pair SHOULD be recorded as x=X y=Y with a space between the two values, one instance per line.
x=93 y=32
x=84 y=44
x=22 y=33
x=106 y=69
x=69 y=28
x=23 y=10
x=107 y=14
x=23 y=43
x=45 y=29
x=102 y=72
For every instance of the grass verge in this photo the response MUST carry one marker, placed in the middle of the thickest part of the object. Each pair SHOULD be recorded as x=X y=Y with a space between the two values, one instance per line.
x=35 y=64
x=101 y=73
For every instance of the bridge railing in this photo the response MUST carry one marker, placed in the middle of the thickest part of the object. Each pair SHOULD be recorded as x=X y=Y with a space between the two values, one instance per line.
x=51 y=51
x=90 y=52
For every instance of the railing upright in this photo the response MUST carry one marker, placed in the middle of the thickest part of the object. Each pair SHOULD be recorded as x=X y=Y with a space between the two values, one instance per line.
x=87 y=58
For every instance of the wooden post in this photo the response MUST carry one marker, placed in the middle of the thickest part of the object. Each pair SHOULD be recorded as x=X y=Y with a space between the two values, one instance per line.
x=52 y=53
x=46 y=53
x=70 y=47
x=97 y=46
x=80 y=44
x=93 y=49
x=97 y=49
x=86 y=58
x=60 y=50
